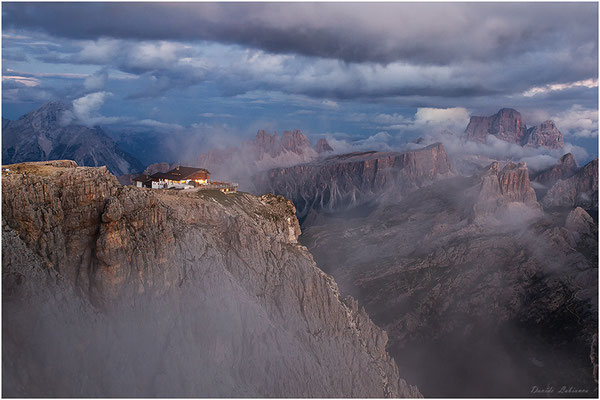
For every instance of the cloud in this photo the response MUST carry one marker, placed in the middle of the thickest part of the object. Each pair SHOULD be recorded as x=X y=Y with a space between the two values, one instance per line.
x=578 y=121
x=216 y=115
x=96 y=81
x=24 y=80
x=381 y=141
x=497 y=149
x=453 y=119
x=588 y=83
x=380 y=32
x=86 y=111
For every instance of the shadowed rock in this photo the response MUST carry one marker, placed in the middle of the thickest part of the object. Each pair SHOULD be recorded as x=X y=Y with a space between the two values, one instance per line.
x=49 y=133
x=345 y=181
x=323 y=146
x=581 y=189
x=565 y=168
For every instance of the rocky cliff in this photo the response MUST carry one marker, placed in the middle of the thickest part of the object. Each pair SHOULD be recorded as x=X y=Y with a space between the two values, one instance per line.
x=323 y=146
x=565 y=168
x=500 y=187
x=508 y=125
x=580 y=189
x=344 y=181
x=120 y=291
x=546 y=135
x=48 y=133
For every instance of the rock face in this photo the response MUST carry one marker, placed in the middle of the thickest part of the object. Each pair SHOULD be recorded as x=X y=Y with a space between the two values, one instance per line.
x=47 y=134
x=323 y=146
x=295 y=141
x=546 y=135
x=490 y=305
x=344 y=181
x=500 y=187
x=566 y=167
x=581 y=189
x=508 y=125
x=112 y=291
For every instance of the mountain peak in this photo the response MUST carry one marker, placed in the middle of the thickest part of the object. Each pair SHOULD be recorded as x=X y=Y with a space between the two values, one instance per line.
x=323 y=146
x=48 y=116
x=508 y=125
x=295 y=141
x=545 y=134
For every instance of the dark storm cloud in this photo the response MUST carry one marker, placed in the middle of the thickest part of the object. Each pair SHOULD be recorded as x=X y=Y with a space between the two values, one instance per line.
x=354 y=32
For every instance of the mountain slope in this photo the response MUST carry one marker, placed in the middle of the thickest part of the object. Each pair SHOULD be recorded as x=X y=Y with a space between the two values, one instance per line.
x=120 y=291
x=45 y=134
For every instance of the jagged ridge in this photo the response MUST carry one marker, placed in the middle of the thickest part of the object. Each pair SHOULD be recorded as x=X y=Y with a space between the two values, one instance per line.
x=343 y=181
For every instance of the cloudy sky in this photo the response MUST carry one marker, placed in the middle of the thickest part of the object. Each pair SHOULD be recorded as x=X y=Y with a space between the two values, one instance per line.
x=384 y=72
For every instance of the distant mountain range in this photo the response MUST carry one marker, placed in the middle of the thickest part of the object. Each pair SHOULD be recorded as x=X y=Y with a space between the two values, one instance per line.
x=45 y=134
x=466 y=273
x=508 y=125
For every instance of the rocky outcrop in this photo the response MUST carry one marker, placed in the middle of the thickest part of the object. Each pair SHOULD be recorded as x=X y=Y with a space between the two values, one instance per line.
x=295 y=141
x=514 y=183
x=323 y=146
x=266 y=143
x=583 y=229
x=546 y=135
x=121 y=291
x=565 y=168
x=508 y=125
x=581 y=189
x=500 y=187
x=344 y=181
x=48 y=133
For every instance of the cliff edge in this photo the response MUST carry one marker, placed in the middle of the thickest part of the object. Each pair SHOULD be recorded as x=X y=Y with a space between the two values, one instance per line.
x=123 y=291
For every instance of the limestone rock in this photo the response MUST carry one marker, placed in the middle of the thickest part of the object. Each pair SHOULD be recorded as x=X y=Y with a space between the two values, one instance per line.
x=344 y=181
x=565 y=168
x=50 y=133
x=581 y=189
x=323 y=146
x=546 y=135
x=507 y=125
x=132 y=292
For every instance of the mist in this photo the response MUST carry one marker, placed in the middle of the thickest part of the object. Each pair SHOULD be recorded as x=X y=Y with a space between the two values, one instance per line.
x=483 y=307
